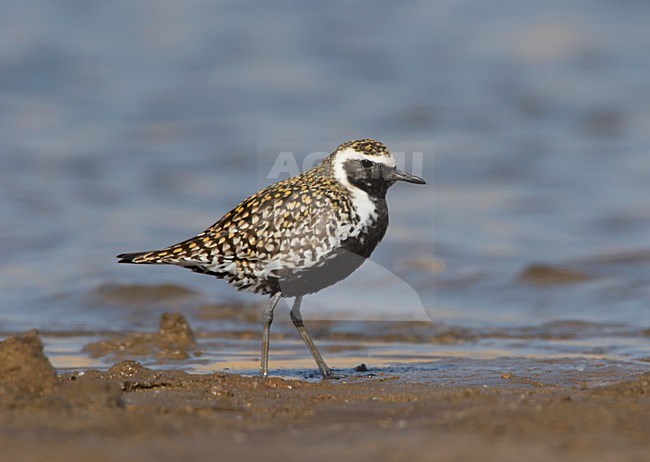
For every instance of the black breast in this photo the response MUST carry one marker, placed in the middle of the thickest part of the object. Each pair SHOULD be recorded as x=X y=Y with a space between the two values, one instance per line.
x=365 y=242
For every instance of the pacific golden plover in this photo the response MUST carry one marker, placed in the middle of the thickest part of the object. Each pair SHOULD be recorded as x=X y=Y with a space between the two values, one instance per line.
x=296 y=236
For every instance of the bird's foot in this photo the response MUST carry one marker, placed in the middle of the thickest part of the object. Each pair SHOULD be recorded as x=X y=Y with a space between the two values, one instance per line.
x=333 y=376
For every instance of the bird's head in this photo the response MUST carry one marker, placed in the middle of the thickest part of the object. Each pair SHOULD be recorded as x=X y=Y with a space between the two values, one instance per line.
x=368 y=165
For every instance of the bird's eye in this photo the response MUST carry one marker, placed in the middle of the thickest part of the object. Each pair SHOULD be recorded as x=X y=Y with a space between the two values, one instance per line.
x=366 y=163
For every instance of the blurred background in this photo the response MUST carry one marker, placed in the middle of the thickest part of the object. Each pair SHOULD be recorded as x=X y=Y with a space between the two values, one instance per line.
x=130 y=125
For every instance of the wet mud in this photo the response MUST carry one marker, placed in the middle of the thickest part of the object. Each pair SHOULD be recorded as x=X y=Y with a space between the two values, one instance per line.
x=174 y=340
x=500 y=410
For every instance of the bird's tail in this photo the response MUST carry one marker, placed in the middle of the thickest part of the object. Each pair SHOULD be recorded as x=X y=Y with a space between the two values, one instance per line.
x=184 y=253
x=151 y=257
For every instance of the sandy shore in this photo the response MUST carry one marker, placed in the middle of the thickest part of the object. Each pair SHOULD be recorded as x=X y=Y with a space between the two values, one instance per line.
x=601 y=413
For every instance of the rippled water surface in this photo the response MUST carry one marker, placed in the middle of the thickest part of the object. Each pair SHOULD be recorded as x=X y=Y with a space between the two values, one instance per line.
x=126 y=126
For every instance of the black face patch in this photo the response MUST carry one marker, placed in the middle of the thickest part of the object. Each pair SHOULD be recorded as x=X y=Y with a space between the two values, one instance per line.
x=373 y=177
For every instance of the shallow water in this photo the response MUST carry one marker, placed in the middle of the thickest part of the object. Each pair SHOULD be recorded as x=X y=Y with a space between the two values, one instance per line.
x=135 y=126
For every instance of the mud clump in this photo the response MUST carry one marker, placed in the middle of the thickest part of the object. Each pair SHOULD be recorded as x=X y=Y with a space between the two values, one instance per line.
x=25 y=371
x=174 y=340
x=551 y=275
x=132 y=375
x=174 y=329
x=28 y=380
x=129 y=369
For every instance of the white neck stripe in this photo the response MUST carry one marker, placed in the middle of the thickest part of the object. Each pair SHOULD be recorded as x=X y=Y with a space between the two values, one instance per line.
x=363 y=205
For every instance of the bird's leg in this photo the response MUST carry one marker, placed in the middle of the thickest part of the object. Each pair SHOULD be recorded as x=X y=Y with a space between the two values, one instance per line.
x=267 y=319
x=297 y=321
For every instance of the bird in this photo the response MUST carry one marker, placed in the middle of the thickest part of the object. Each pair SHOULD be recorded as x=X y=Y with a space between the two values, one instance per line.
x=296 y=236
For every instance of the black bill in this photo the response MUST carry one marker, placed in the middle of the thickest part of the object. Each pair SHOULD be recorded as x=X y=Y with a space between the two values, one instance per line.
x=399 y=175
